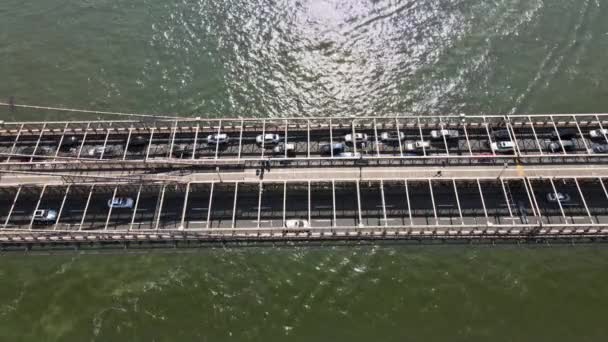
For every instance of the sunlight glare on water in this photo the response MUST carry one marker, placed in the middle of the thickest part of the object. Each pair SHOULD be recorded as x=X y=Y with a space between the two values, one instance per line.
x=267 y=58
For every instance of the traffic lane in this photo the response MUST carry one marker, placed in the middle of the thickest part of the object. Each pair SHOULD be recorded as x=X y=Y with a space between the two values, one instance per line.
x=169 y=214
x=421 y=203
x=6 y=201
x=321 y=201
x=372 y=207
x=520 y=201
x=24 y=207
x=247 y=206
x=96 y=214
x=222 y=205
x=594 y=196
x=197 y=206
x=446 y=202
x=271 y=210
x=550 y=210
x=471 y=204
x=500 y=209
x=346 y=204
x=296 y=202
x=395 y=198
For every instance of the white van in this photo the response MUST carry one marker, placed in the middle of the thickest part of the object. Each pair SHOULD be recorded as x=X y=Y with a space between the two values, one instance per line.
x=502 y=146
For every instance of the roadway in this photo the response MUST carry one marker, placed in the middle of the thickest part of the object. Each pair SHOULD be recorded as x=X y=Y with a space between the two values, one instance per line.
x=186 y=140
x=419 y=204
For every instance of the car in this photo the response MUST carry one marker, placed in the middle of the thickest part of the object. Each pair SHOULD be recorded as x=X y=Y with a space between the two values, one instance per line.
x=70 y=141
x=40 y=150
x=501 y=135
x=598 y=133
x=392 y=137
x=566 y=133
x=281 y=148
x=447 y=133
x=349 y=155
x=97 y=151
x=554 y=197
x=268 y=140
x=360 y=138
x=297 y=224
x=502 y=146
x=139 y=140
x=44 y=216
x=326 y=149
x=600 y=148
x=417 y=146
x=183 y=150
x=556 y=147
x=121 y=203
x=217 y=139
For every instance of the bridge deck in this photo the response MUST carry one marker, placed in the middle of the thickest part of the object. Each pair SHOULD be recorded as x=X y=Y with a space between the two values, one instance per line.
x=465 y=205
x=540 y=139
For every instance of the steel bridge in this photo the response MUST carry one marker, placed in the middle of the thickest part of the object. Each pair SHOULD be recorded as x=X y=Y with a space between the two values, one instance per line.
x=538 y=139
x=551 y=182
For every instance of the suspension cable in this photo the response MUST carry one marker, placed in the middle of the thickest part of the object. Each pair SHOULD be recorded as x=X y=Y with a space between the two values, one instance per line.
x=154 y=116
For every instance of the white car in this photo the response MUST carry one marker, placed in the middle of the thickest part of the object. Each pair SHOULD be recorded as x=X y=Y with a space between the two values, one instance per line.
x=268 y=139
x=214 y=139
x=447 y=133
x=98 y=151
x=417 y=146
x=290 y=148
x=296 y=223
x=551 y=197
x=45 y=216
x=121 y=203
x=598 y=133
x=502 y=146
x=389 y=137
x=360 y=138
x=349 y=155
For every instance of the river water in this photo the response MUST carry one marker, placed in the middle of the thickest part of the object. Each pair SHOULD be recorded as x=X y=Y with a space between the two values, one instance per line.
x=279 y=58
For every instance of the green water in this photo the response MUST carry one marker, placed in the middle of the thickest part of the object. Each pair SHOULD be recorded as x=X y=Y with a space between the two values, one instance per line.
x=267 y=58
x=388 y=293
x=306 y=57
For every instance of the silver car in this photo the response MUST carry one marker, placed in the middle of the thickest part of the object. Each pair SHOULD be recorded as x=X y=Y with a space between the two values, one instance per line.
x=392 y=137
x=269 y=139
x=447 y=133
x=359 y=138
x=45 y=216
x=214 y=139
x=554 y=197
x=121 y=203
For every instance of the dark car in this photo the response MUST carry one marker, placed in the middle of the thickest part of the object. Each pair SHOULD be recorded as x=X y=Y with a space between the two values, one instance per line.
x=600 y=148
x=326 y=149
x=501 y=134
x=567 y=133
x=556 y=147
